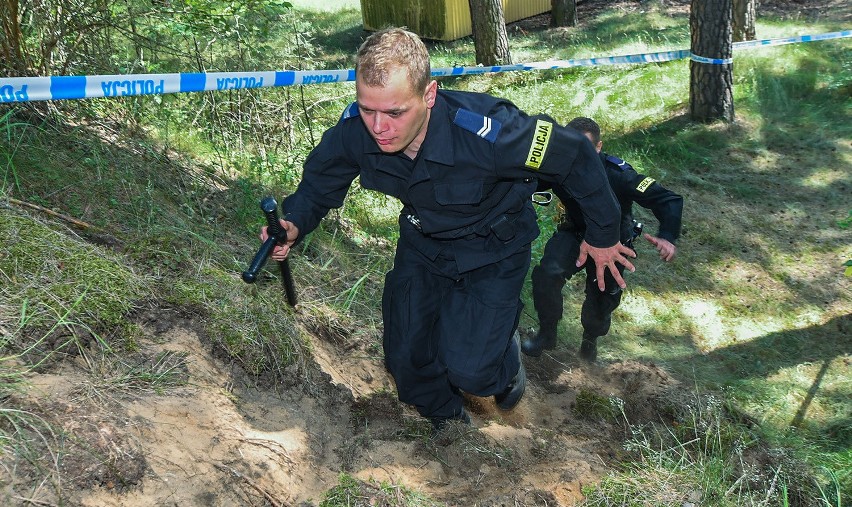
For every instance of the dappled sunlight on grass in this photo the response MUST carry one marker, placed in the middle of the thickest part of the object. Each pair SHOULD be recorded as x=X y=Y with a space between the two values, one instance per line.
x=613 y=28
x=785 y=369
x=644 y=309
x=777 y=361
x=616 y=97
x=705 y=319
x=825 y=178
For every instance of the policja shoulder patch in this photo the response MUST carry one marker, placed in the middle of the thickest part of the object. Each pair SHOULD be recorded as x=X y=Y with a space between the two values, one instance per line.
x=483 y=126
x=644 y=184
x=538 y=146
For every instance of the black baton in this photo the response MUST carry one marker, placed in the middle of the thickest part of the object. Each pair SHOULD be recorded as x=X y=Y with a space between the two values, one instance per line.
x=277 y=235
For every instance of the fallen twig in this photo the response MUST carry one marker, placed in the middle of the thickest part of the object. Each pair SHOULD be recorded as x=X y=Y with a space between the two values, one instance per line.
x=34 y=501
x=71 y=220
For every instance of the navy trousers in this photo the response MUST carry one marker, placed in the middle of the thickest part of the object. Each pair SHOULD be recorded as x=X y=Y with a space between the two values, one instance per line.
x=446 y=333
x=558 y=265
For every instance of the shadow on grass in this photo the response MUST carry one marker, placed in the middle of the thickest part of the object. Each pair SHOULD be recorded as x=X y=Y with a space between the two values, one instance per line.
x=766 y=355
x=813 y=348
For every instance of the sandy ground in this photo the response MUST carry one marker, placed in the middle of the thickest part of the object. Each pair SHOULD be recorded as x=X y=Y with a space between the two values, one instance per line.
x=218 y=441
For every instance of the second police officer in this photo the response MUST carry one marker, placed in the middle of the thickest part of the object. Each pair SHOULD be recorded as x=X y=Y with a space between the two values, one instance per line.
x=557 y=263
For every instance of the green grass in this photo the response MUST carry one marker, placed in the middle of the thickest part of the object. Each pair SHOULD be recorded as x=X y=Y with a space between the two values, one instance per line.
x=50 y=277
x=351 y=492
x=705 y=459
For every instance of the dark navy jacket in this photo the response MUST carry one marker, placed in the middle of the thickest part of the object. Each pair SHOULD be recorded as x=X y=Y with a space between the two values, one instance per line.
x=629 y=187
x=471 y=182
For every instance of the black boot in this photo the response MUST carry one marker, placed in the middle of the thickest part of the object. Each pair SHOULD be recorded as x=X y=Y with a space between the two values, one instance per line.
x=513 y=392
x=589 y=348
x=545 y=339
x=439 y=423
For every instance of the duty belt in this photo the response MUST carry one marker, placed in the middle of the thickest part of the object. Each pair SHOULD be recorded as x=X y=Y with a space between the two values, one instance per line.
x=501 y=227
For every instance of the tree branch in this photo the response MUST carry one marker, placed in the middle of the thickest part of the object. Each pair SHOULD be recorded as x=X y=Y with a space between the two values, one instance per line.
x=71 y=220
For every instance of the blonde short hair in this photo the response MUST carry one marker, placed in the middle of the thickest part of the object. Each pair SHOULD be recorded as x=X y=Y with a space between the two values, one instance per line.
x=389 y=49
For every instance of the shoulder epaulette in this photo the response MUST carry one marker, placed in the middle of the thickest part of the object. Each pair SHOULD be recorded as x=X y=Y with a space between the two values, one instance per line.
x=350 y=111
x=483 y=126
x=617 y=161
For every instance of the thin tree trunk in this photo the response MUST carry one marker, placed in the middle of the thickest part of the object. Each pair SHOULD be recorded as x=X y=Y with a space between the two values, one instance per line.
x=744 y=16
x=563 y=13
x=489 y=32
x=711 y=84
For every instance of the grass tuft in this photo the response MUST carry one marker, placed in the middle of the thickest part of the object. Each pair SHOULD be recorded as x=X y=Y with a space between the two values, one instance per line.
x=706 y=458
x=353 y=492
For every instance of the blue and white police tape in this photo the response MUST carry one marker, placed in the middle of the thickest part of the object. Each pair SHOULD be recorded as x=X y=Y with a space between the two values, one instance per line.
x=21 y=89
x=712 y=61
x=792 y=40
x=27 y=89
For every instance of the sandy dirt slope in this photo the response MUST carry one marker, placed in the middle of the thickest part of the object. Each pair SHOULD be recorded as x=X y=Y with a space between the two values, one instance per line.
x=219 y=441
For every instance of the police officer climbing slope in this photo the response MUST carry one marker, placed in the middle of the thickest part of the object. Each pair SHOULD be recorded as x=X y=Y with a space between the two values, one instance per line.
x=557 y=263
x=463 y=166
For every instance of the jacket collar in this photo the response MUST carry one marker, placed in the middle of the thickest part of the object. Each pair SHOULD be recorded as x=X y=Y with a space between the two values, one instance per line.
x=438 y=145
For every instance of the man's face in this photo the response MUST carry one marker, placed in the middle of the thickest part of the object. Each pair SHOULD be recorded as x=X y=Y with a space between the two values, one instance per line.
x=591 y=138
x=396 y=115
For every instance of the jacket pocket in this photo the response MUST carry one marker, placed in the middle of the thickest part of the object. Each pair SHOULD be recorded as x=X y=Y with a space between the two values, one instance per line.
x=458 y=193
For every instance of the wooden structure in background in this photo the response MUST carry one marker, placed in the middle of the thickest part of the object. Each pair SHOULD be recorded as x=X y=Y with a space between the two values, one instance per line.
x=439 y=19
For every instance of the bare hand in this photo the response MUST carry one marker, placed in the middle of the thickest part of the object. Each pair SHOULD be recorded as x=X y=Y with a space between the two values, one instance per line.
x=666 y=249
x=280 y=252
x=605 y=258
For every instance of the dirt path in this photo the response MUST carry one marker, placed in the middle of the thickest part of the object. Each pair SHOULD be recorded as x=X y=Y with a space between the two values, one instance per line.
x=217 y=441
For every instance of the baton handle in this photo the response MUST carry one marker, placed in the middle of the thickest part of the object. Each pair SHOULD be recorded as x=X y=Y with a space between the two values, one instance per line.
x=277 y=235
x=270 y=210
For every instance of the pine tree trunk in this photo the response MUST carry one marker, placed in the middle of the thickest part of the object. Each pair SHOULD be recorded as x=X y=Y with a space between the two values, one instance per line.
x=489 y=32
x=711 y=84
x=744 y=17
x=563 y=13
